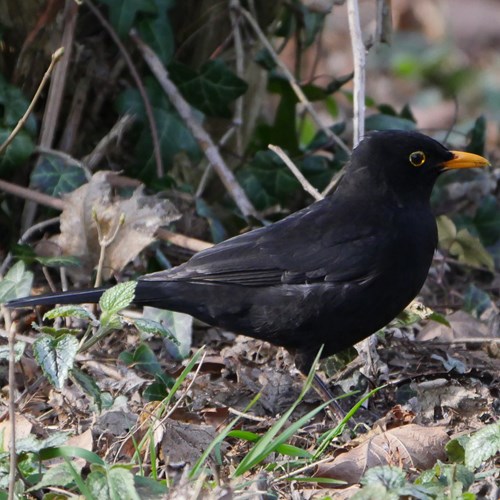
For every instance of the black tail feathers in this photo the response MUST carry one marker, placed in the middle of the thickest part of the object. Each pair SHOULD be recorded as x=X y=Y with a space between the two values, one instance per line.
x=90 y=296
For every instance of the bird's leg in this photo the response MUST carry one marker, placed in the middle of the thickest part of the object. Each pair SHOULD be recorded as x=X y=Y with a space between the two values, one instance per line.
x=304 y=361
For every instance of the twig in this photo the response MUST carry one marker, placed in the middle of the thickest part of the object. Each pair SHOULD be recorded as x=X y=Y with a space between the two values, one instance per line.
x=67 y=158
x=383 y=30
x=56 y=56
x=182 y=240
x=119 y=128
x=12 y=407
x=208 y=169
x=204 y=140
x=306 y=185
x=292 y=81
x=55 y=97
x=240 y=65
x=358 y=52
x=140 y=87
x=104 y=241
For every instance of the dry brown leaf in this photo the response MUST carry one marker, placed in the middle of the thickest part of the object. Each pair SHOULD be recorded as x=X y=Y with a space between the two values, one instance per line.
x=23 y=429
x=408 y=446
x=142 y=216
x=462 y=326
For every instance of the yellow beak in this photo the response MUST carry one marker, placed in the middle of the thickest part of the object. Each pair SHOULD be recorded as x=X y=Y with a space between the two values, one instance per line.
x=462 y=159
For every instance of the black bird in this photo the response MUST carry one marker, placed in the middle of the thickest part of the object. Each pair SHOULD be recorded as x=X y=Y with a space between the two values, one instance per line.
x=330 y=274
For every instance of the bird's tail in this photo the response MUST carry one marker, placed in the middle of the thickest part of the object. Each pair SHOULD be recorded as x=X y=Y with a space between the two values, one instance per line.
x=90 y=296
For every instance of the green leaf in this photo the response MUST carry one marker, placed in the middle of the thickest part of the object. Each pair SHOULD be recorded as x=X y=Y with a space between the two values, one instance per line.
x=211 y=89
x=476 y=301
x=70 y=311
x=478 y=136
x=487 y=220
x=216 y=227
x=117 y=298
x=482 y=445
x=145 y=359
x=13 y=106
x=387 y=122
x=470 y=250
x=16 y=283
x=17 y=152
x=88 y=385
x=122 y=14
x=179 y=325
x=58 y=475
x=112 y=483
x=56 y=357
x=55 y=177
x=19 y=348
x=174 y=137
x=455 y=449
x=157 y=33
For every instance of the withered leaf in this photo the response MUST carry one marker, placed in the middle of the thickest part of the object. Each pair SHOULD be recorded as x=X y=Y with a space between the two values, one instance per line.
x=141 y=215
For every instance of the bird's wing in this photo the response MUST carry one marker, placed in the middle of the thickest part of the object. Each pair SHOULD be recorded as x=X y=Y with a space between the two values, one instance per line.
x=311 y=246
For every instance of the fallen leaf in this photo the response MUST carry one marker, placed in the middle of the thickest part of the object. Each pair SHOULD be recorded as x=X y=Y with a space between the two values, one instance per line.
x=412 y=446
x=462 y=326
x=135 y=221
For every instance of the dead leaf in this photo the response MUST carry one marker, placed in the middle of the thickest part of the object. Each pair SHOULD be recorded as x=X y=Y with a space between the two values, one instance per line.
x=462 y=326
x=23 y=429
x=408 y=446
x=142 y=215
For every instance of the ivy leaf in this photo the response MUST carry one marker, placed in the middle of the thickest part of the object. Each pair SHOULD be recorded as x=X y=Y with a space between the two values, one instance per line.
x=211 y=89
x=56 y=357
x=17 y=152
x=55 y=177
x=122 y=14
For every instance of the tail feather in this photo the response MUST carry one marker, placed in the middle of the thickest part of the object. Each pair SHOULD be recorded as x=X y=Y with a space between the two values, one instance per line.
x=90 y=296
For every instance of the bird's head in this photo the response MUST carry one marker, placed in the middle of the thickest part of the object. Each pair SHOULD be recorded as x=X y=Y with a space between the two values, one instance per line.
x=407 y=162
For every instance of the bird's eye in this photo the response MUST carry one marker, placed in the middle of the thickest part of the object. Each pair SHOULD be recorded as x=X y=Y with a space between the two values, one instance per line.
x=417 y=158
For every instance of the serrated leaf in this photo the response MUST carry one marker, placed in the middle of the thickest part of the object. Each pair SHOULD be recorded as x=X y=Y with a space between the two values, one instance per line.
x=180 y=325
x=117 y=298
x=482 y=445
x=72 y=311
x=151 y=327
x=55 y=177
x=116 y=482
x=16 y=283
x=56 y=357
x=55 y=332
x=88 y=385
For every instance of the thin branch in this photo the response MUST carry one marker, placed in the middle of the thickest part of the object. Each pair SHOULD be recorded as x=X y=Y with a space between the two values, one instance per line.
x=204 y=140
x=56 y=56
x=12 y=406
x=119 y=128
x=306 y=185
x=55 y=97
x=358 y=52
x=140 y=87
x=292 y=81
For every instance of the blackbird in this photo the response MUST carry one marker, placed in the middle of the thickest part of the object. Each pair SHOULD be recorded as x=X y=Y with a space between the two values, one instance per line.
x=329 y=275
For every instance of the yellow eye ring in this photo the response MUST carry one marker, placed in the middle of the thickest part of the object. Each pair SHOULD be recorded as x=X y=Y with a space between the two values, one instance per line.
x=417 y=158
